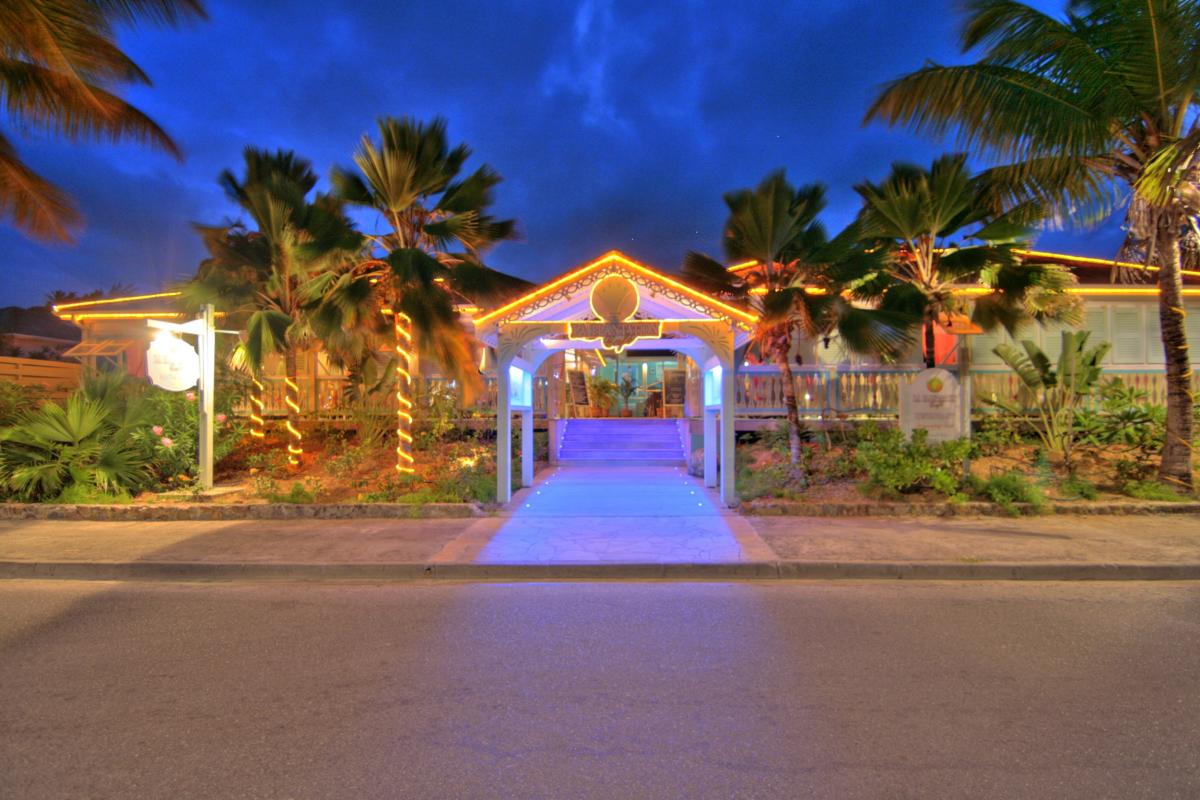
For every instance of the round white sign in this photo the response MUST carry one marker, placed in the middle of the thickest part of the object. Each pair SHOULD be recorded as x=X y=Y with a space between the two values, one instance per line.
x=172 y=364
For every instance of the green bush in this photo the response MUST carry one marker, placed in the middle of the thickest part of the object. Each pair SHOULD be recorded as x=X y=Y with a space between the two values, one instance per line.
x=173 y=434
x=1006 y=489
x=300 y=492
x=1153 y=490
x=78 y=493
x=89 y=442
x=1079 y=488
x=17 y=400
x=896 y=466
x=769 y=480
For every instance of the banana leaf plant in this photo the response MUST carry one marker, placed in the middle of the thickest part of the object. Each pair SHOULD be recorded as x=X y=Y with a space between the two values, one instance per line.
x=1053 y=392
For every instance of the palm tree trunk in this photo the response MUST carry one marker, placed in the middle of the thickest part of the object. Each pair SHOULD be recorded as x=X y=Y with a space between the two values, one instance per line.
x=1176 y=466
x=257 y=424
x=789 y=398
x=404 y=403
x=291 y=398
x=930 y=345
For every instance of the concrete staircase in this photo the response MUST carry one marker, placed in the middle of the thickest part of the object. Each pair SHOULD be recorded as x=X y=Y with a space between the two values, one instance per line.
x=621 y=442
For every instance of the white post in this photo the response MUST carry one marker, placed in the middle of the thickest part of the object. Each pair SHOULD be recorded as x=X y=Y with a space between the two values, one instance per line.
x=503 y=435
x=728 y=436
x=207 y=388
x=527 y=450
x=710 y=446
x=964 y=382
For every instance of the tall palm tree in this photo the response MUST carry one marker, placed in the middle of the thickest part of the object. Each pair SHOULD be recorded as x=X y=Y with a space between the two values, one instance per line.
x=913 y=217
x=263 y=275
x=428 y=257
x=1077 y=107
x=793 y=283
x=60 y=67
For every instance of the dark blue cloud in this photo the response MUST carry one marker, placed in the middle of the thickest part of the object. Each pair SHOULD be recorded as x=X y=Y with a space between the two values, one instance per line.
x=615 y=123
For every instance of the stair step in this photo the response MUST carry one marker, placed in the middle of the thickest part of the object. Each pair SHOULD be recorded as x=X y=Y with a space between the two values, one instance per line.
x=621 y=462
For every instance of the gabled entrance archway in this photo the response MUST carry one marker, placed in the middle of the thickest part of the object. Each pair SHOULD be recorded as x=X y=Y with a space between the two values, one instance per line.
x=616 y=303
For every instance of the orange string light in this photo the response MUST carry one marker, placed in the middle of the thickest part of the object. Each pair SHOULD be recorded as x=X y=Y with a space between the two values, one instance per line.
x=295 y=450
x=257 y=424
x=404 y=418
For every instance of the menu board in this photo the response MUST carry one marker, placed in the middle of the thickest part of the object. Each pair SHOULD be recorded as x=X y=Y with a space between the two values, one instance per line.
x=674 y=387
x=577 y=380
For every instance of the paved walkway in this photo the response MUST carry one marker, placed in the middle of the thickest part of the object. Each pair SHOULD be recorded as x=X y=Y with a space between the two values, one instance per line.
x=597 y=523
x=606 y=515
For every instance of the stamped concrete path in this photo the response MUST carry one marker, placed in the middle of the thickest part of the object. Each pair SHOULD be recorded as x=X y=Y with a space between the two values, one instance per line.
x=606 y=515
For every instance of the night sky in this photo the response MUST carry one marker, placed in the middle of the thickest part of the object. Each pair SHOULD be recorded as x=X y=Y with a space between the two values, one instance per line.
x=615 y=124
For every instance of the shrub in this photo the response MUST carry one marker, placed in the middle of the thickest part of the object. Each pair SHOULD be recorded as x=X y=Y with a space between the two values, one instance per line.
x=301 y=492
x=90 y=443
x=17 y=400
x=1153 y=490
x=1006 y=489
x=82 y=493
x=1079 y=488
x=1055 y=392
x=766 y=480
x=173 y=434
x=898 y=466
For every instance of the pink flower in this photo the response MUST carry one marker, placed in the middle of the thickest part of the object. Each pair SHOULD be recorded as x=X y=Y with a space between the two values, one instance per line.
x=158 y=430
x=166 y=442
x=221 y=418
x=190 y=396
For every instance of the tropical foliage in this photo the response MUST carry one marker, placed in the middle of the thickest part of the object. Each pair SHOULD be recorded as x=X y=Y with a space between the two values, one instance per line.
x=1076 y=108
x=90 y=442
x=792 y=275
x=1054 y=393
x=938 y=230
x=60 y=71
x=426 y=261
x=268 y=276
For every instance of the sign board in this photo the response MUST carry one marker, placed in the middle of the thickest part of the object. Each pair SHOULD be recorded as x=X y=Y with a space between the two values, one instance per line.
x=933 y=402
x=172 y=363
x=674 y=387
x=577 y=380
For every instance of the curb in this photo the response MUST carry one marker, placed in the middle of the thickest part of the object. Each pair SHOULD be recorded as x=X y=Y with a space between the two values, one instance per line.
x=740 y=571
x=213 y=512
x=785 y=508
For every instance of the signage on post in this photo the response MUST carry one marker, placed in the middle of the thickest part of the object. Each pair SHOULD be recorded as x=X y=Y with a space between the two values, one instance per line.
x=674 y=387
x=577 y=380
x=172 y=363
x=932 y=402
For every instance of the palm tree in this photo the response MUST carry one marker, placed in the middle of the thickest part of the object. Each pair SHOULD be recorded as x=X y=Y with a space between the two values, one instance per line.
x=264 y=275
x=59 y=68
x=1076 y=108
x=793 y=283
x=912 y=217
x=427 y=260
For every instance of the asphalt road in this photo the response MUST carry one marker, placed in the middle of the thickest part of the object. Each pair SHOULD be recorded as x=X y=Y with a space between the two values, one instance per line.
x=619 y=690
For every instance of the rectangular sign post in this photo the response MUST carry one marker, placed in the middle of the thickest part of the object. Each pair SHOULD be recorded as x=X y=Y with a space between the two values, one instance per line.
x=207 y=388
x=177 y=374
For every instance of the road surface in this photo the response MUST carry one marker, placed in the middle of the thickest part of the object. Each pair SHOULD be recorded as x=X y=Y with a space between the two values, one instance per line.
x=610 y=690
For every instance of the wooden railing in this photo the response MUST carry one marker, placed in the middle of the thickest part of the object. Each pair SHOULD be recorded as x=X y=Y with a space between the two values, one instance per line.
x=872 y=391
x=875 y=391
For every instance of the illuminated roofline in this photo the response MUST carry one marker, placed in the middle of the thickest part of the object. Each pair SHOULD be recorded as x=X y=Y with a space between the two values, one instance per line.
x=621 y=258
x=106 y=301
x=1088 y=260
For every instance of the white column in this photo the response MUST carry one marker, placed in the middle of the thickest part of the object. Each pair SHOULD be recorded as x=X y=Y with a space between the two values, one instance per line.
x=207 y=387
x=710 y=447
x=503 y=435
x=728 y=436
x=527 y=450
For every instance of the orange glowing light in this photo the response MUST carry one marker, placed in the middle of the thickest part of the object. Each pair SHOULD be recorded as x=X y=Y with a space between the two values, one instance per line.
x=615 y=256
x=108 y=300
